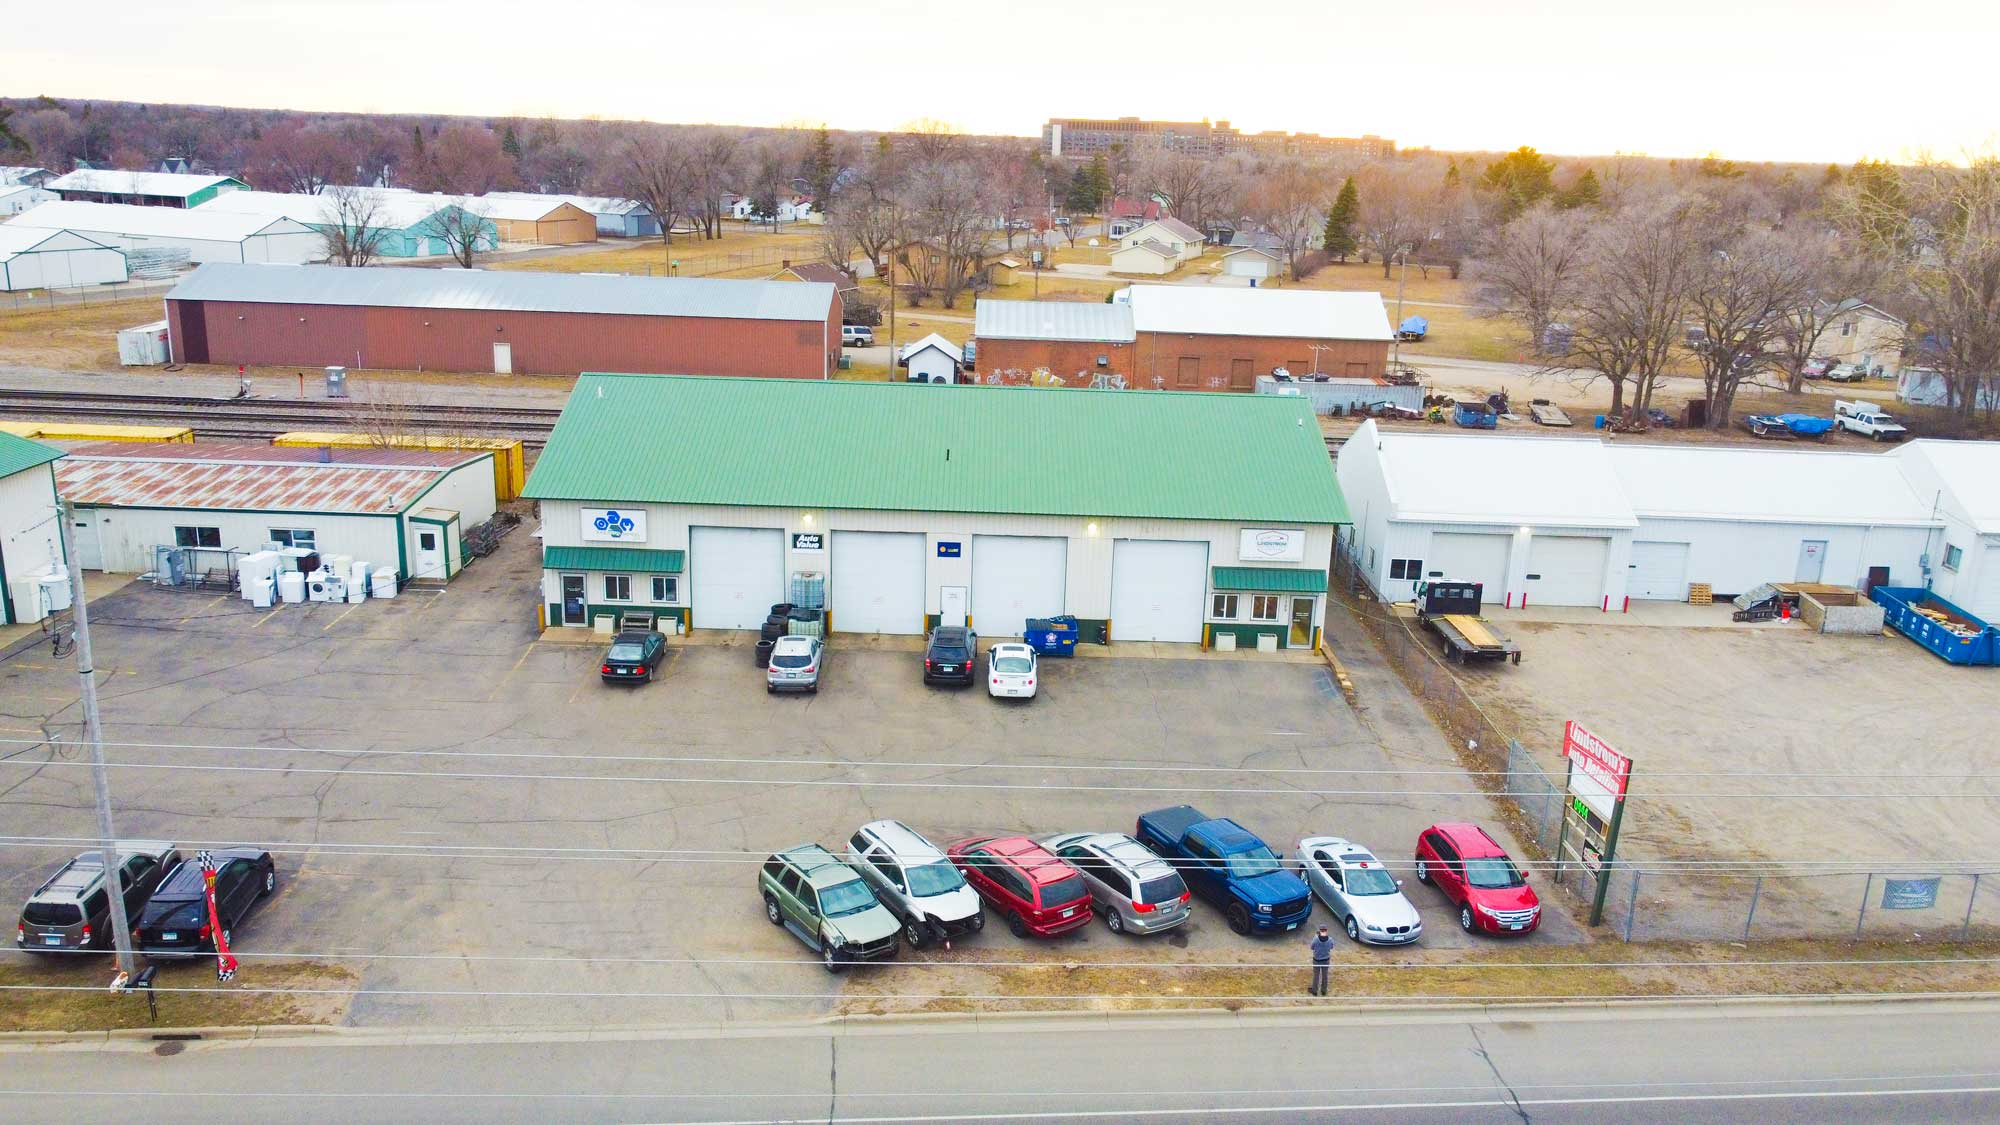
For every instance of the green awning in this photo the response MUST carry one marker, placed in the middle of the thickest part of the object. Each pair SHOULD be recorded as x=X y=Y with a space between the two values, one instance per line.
x=1268 y=580
x=612 y=558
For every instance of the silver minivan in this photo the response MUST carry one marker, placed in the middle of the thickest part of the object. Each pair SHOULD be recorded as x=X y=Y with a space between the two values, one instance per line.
x=916 y=881
x=1135 y=890
x=71 y=911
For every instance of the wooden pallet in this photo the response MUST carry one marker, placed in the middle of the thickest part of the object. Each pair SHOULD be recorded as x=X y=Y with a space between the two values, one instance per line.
x=1701 y=593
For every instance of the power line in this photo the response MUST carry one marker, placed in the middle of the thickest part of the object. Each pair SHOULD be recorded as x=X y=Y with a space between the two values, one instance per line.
x=1092 y=767
x=1156 y=790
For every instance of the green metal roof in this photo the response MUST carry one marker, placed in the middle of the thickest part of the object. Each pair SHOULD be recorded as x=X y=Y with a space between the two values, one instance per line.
x=17 y=453
x=787 y=443
x=611 y=558
x=1268 y=579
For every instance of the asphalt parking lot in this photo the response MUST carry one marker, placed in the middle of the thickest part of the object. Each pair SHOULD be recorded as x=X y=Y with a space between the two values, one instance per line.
x=459 y=806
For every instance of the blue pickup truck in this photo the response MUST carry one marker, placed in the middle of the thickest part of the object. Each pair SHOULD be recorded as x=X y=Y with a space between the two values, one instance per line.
x=1226 y=864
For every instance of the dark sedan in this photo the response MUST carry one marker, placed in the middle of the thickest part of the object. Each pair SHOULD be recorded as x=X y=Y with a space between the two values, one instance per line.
x=633 y=658
x=176 y=923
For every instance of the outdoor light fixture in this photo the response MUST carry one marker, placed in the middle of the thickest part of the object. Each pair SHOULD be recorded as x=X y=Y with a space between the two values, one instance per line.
x=1091 y=527
x=807 y=519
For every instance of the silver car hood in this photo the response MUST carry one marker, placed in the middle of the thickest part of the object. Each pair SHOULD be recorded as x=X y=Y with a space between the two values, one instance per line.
x=1383 y=911
x=951 y=906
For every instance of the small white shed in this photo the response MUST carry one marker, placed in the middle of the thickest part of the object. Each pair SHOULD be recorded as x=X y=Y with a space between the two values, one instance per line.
x=933 y=359
x=1251 y=261
x=34 y=258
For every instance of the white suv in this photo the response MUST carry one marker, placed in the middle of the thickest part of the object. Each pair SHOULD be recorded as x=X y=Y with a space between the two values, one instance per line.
x=857 y=336
x=912 y=877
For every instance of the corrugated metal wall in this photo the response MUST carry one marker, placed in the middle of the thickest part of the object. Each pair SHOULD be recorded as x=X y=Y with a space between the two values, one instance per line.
x=1221 y=360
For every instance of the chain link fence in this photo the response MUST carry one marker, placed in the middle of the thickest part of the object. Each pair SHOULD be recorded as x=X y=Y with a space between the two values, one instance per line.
x=48 y=300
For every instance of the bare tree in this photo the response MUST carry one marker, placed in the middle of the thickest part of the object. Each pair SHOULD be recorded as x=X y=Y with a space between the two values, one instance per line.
x=656 y=171
x=1398 y=209
x=950 y=213
x=1532 y=268
x=1288 y=204
x=1953 y=278
x=1193 y=187
x=1629 y=308
x=714 y=162
x=1744 y=290
x=463 y=228
x=1842 y=271
x=355 y=231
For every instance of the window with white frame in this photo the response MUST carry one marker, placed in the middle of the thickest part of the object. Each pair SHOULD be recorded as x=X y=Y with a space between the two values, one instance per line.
x=617 y=587
x=197 y=537
x=666 y=588
x=304 y=538
x=1224 y=608
x=1952 y=557
x=1264 y=607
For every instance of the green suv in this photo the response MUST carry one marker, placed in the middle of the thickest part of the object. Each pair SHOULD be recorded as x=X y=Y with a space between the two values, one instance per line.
x=826 y=904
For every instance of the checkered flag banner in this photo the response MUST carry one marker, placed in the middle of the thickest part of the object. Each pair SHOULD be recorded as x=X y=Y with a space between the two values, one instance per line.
x=225 y=963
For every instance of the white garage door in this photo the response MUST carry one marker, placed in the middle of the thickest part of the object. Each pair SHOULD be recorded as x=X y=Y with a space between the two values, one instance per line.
x=1659 y=572
x=1459 y=557
x=1015 y=577
x=1157 y=587
x=877 y=584
x=1985 y=601
x=738 y=573
x=1566 y=570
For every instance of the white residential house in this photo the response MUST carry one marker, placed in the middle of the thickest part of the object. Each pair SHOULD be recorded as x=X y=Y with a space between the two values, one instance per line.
x=1183 y=241
x=16 y=198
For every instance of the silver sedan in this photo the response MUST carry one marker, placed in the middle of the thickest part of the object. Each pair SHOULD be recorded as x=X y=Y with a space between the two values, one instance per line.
x=1362 y=894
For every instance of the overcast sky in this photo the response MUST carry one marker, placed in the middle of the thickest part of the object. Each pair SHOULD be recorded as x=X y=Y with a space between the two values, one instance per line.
x=1826 y=80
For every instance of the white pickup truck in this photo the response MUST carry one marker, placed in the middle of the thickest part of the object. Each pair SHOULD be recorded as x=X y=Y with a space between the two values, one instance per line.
x=1868 y=419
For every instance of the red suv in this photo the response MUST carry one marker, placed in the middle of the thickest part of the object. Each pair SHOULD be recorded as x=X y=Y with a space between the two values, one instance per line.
x=1475 y=874
x=1038 y=893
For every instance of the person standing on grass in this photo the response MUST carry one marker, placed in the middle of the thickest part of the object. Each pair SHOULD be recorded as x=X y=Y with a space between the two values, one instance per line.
x=1322 y=951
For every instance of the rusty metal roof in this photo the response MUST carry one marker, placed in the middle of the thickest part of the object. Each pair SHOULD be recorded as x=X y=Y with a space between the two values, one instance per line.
x=252 y=477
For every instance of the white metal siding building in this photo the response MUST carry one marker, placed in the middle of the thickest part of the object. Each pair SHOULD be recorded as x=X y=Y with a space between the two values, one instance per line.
x=30 y=533
x=1960 y=482
x=207 y=235
x=32 y=258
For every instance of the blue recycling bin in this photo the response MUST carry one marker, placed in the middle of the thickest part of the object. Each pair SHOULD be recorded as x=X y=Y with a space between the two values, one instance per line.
x=1051 y=636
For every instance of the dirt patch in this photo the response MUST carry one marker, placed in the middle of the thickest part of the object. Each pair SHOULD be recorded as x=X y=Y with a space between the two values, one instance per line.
x=68 y=335
x=79 y=1001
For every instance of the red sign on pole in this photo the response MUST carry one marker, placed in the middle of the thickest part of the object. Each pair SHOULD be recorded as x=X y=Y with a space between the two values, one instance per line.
x=225 y=962
x=1599 y=774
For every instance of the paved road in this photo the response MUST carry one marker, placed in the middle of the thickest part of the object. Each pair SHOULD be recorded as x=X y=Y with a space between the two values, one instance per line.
x=1761 y=1063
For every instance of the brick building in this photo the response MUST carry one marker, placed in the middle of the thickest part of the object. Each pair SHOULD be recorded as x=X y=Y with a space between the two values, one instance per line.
x=1069 y=343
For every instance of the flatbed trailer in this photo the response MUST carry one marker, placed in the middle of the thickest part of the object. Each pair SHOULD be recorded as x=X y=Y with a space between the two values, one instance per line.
x=1451 y=610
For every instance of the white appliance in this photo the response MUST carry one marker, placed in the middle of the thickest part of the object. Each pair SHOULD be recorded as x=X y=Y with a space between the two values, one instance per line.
x=261 y=591
x=382 y=583
x=254 y=567
x=291 y=587
x=357 y=582
x=324 y=587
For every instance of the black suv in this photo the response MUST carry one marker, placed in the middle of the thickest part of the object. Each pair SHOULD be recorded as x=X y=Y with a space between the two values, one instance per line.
x=175 y=923
x=950 y=655
x=633 y=657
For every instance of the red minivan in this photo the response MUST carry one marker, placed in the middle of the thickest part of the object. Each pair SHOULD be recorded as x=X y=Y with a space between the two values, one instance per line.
x=1475 y=874
x=1038 y=893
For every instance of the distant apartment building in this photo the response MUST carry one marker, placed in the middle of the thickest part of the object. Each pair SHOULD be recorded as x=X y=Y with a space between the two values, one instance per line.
x=1086 y=137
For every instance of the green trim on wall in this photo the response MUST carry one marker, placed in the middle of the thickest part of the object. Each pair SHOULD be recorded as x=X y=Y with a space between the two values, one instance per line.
x=1266 y=580
x=1246 y=634
x=614 y=559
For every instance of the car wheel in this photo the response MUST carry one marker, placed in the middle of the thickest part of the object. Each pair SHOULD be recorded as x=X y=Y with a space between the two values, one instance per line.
x=978 y=921
x=1465 y=918
x=1239 y=919
x=270 y=881
x=813 y=690
x=1423 y=873
x=913 y=934
x=772 y=912
x=830 y=959
x=1017 y=925
x=769 y=690
x=1353 y=929
x=1114 y=921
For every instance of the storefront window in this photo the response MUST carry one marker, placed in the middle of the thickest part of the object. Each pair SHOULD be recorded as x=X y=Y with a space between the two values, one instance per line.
x=1264 y=607
x=617 y=587
x=666 y=589
x=1225 y=607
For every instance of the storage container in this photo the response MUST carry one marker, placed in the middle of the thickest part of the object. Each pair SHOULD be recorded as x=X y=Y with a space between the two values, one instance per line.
x=1051 y=636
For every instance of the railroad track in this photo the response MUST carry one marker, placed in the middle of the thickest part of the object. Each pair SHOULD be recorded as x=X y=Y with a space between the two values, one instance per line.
x=265 y=418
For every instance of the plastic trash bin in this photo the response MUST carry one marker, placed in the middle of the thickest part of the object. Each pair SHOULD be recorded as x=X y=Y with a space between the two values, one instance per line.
x=1051 y=636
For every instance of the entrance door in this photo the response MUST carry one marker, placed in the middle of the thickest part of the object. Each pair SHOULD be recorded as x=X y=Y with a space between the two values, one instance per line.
x=738 y=572
x=951 y=605
x=1157 y=587
x=1015 y=577
x=573 y=599
x=89 y=553
x=503 y=359
x=1302 y=622
x=430 y=554
x=877 y=584
x=1812 y=560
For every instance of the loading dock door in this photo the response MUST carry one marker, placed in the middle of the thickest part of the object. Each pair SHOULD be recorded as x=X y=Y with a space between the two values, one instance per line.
x=1659 y=572
x=1015 y=577
x=877 y=584
x=738 y=573
x=1566 y=570
x=1461 y=557
x=1157 y=587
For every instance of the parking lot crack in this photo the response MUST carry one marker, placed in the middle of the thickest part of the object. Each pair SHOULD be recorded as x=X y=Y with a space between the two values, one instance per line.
x=1487 y=1057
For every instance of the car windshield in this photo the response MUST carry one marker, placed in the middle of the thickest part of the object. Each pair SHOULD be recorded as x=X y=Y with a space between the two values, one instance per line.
x=934 y=878
x=1492 y=873
x=851 y=897
x=1015 y=664
x=1252 y=863
x=1369 y=881
x=792 y=660
x=627 y=652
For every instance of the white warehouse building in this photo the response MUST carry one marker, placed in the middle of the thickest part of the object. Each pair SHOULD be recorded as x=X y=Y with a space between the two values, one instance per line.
x=1960 y=482
x=207 y=235
x=30 y=536
x=33 y=258
x=1582 y=522
x=400 y=508
x=1156 y=517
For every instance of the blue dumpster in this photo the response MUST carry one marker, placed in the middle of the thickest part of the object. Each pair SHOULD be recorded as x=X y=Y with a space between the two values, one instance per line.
x=1051 y=636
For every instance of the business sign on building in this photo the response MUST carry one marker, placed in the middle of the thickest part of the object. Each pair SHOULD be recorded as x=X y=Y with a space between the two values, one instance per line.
x=1272 y=544
x=1598 y=774
x=614 y=525
x=807 y=541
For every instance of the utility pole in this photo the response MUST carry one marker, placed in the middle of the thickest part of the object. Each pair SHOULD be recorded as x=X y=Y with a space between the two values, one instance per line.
x=1401 y=280
x=93 y=737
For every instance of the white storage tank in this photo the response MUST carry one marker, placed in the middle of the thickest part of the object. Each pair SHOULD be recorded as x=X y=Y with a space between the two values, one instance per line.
x=54 y=585
x=291 y=587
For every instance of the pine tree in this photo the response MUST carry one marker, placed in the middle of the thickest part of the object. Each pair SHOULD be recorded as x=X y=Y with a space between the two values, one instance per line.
x=416 y=140
x=1523 y=178
x=510 y=143
x=820 y=171
x=1338 y=240
x=1451 y=174
x=1584 y=191
x=1100 y=182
